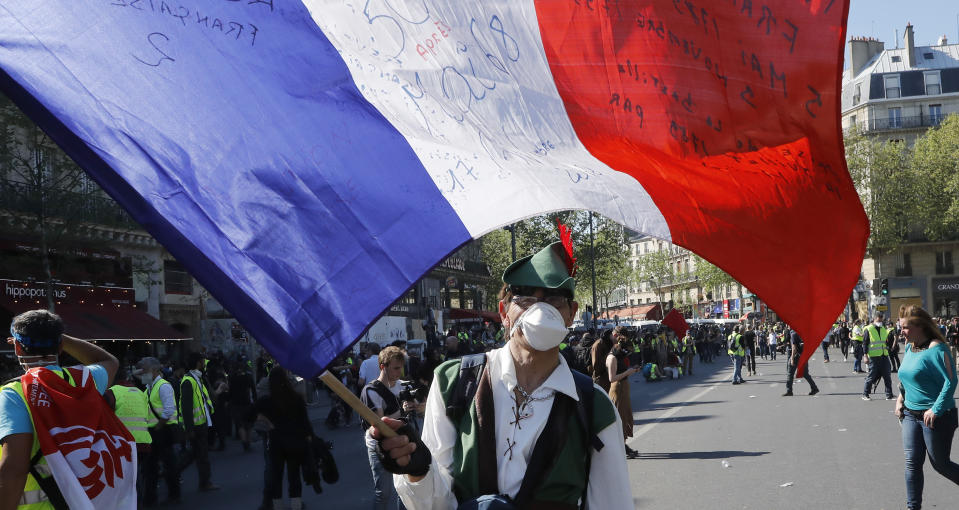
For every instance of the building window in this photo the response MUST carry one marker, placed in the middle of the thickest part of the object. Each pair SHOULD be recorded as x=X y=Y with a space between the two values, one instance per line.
x=933 y=87
x=895 y=117
x=927 y=56
x=944 y=262
x=892 y=86
x=632 y=302
x=904 y=264
x=852 y=121
x=935 y=114
x=858 y=95
x=175 y=278
x=896 y=58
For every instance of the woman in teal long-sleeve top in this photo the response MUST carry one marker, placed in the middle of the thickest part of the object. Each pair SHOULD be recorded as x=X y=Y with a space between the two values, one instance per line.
x=926 y=405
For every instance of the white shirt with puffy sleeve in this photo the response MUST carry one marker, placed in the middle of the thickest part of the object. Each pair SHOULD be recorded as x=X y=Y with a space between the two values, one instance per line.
x=608 y=480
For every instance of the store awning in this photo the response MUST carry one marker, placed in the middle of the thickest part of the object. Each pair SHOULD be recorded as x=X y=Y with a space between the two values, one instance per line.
x=459 y=314
x=103 y=323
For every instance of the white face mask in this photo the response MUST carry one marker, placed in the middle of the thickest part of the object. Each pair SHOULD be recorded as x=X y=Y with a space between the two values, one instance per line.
x=146 y=379
x=542 y=325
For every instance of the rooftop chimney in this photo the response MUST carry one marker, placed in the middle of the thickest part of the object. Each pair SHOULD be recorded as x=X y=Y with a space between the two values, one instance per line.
x=861 y=51
x=910 y=45
x=943 y=41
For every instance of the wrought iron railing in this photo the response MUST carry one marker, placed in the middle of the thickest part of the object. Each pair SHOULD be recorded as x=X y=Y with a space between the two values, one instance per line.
x=84 y=207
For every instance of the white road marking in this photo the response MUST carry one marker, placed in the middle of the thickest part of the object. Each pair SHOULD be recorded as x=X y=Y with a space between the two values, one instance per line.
x=669 y=414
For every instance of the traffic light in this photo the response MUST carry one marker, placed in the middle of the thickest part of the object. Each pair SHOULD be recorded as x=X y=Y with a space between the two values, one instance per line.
x=884 y=287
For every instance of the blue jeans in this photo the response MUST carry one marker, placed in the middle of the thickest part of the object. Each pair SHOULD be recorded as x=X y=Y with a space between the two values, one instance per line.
x=384 y=493
x=918 y=441
x=878 y=367
x=825 y=351
x=738 y=374
x=857 y=354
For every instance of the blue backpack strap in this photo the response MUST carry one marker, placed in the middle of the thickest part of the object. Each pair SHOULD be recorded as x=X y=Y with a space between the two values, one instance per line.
x=471 y=367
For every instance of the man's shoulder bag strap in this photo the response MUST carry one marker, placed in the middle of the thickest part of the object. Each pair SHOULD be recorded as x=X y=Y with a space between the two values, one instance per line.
x=390 y=402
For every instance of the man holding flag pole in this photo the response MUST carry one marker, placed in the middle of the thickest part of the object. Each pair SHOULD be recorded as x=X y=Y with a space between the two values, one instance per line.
x=504 y=413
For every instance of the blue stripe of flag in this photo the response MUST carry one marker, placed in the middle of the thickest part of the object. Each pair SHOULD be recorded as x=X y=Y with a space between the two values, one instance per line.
x=250 y=155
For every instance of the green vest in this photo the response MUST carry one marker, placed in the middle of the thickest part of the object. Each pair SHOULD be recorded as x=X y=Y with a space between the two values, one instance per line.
x=133 y=411
x=200 y=397
x=563 y=483
x=688 y=344
x=735 y=348
x=877 y=341
x=156 y=404
x=33 y=497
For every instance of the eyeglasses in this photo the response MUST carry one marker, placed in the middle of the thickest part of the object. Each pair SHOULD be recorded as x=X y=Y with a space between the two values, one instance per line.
x=528 y=301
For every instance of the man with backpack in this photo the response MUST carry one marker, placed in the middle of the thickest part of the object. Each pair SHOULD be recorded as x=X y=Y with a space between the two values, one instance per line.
x=525 y=431
x=382 y=396
x=50 y=419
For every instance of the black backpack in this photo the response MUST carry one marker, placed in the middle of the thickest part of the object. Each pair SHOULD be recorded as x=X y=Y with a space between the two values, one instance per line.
x=582 y=361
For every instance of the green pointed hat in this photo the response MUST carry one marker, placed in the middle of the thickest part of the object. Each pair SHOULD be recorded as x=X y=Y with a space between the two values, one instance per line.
x=553 y=267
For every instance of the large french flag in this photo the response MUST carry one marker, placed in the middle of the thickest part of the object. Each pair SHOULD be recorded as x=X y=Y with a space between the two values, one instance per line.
x=309 y=160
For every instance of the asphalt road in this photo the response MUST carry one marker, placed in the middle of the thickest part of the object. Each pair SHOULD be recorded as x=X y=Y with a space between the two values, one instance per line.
x=704 y=443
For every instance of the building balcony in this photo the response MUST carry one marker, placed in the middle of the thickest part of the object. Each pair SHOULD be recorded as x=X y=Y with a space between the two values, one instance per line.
x=891 y=124
x=90 y=208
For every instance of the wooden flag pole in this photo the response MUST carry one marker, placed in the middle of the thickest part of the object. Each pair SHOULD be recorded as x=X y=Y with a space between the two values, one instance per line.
x=356 y=404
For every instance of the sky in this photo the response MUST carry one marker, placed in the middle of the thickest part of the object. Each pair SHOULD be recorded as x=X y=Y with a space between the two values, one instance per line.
x=881 y=18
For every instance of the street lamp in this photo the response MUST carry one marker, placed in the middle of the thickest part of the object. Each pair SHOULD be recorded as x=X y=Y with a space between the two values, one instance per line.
x=592 y=265
x=512 y=238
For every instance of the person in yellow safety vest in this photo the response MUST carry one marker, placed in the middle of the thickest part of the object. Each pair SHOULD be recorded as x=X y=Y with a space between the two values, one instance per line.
x=689 y=352
x=38 y=339
x=877 y=357
x=130 y=405
x=196 y=414
x=163 y=425
x=737 y=351
x=857 y=351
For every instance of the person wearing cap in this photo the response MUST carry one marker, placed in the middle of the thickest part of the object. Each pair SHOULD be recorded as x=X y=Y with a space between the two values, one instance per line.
x=163 y=426
x=130 y=405
x=502 y=444
x=38 y=340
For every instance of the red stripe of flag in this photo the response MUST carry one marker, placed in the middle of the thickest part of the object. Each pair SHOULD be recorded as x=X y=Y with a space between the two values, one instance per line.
x=727 y=113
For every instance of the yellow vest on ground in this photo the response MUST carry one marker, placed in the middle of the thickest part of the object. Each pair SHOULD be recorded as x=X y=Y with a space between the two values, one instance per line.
x=134 y=411
x=200 y=398
x=877 y=341
x=33 y=497
x=735 y=346
x=156 y=405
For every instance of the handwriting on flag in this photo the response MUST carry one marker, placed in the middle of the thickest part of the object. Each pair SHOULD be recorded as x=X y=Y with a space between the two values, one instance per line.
x=467 y=83
x=726 y=112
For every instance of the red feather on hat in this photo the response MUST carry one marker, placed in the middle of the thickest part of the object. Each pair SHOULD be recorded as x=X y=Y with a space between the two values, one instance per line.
x=566 y=237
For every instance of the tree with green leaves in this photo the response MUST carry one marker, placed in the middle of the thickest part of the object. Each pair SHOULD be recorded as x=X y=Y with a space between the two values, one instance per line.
x=934 y=182
x=38 y=183
x=656 y=270
x=532 y=234
x=711 y=279
x=883 y=176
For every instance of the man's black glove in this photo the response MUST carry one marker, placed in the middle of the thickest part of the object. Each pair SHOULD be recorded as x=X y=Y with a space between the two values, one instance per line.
x=420 y=459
